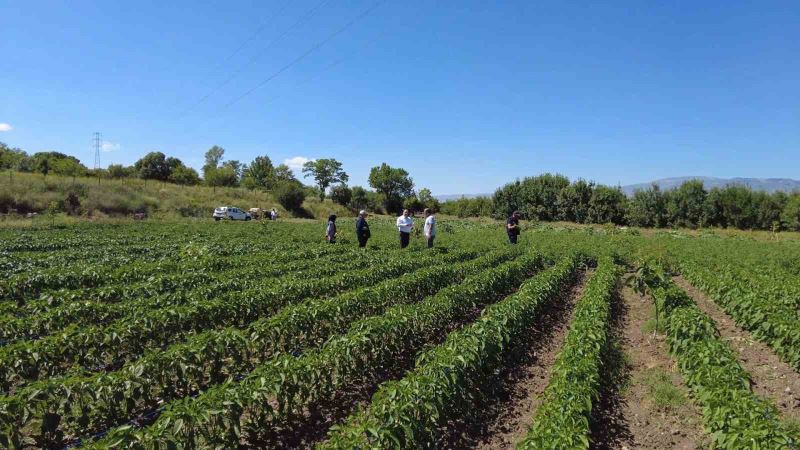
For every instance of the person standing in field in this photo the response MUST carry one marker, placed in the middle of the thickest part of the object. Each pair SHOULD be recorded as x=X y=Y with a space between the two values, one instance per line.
x=330 y=230
x=273 y=215
x=512 y=227
x=362 y=229
x=430 y=227
x=404 y=225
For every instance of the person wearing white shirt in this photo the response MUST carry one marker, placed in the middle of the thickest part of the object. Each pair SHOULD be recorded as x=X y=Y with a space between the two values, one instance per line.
x=430 y=227
x=404 y=225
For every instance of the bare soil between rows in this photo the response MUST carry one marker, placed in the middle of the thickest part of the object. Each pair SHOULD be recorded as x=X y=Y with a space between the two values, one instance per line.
x=771 y=378
x=627 y=415
x=510 y=401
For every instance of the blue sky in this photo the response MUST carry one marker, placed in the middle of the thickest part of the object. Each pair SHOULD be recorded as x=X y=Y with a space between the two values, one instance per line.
x=465 y=95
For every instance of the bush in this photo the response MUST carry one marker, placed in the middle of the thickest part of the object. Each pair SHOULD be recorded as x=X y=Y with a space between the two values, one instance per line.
x=341 y=194
x=72 y=204
x=289 y=195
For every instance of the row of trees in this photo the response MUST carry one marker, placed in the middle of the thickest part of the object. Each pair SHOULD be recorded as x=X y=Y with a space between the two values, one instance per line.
x=393 y=188
x=734 y=206
x=42 y=162
x=553 y=197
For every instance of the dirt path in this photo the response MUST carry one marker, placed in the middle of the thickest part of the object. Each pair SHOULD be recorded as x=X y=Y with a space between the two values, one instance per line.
x=511 y=402
x=644 y=404
x=771 y=378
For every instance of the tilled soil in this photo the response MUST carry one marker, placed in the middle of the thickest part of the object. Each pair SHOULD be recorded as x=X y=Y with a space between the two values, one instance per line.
x=771 y=378
x=627 y=417
x=514 y=396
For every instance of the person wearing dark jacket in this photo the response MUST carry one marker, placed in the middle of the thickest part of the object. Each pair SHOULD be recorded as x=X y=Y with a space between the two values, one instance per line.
x=362 y=229
x=512 y=227
x=330 y=230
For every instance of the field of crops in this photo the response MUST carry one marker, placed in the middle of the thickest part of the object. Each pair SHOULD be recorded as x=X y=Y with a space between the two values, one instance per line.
x=261 y=335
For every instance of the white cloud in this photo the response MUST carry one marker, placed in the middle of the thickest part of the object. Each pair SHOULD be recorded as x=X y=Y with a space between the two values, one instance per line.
x=107 y=146
x=297 y=162
x=5 y=127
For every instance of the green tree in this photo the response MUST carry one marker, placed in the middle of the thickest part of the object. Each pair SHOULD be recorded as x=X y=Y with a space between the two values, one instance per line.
x=173 y=163
x=214 y=156
x=413 y=204
x=607 y=205
x=221 y=177
x=427 y=200
x=686 y=205
x=647 y=208
x=10 y=158
x=185 y=176
x=540 y=195
x=572 y=202
x=68 y=167
x=217 y=173
x=361 y=198
x=153 y=166
x=284 y=173
x=289 y=195
x=736 y=203
x=507 y=199
x=325 y=172
x=236 y=167
x=468 y=207
x=393 y=184
x=341 y=194
x=768 y=209
x=790 y=217
x=117 y=171
x=259 y=174
x=58 y=163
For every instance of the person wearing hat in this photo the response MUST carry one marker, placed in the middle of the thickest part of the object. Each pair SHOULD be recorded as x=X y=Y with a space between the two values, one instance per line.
x=362 y=229
x=512 y=227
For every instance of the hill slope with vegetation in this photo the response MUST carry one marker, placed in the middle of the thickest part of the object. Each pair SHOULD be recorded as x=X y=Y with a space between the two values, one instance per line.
x=24 y=193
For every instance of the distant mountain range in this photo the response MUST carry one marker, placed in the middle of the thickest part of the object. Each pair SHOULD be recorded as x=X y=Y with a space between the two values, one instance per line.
x=444 y=198
x=756 y=184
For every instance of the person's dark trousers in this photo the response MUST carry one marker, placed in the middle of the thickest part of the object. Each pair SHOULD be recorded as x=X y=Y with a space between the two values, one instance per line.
x=404 y=238
x=512 y=238
x=430 y=241
x=362 y=241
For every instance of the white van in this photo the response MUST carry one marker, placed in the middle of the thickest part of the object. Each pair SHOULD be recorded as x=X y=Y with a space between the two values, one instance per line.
x=230 y=212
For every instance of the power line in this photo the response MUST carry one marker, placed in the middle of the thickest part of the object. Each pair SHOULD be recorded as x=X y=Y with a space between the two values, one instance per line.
x=255 y=34
x=308 y=52
x=331 y=66
x=308 y=15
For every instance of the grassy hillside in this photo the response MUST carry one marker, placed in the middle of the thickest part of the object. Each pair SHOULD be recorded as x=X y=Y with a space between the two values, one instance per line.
x=26 y=192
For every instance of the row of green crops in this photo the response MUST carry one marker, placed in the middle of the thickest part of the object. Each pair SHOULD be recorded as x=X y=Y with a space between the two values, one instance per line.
x=131 y=336
x=770 y=321
x=28 y=262
x=176 y=289
x=286 y=385
x=734 y=416
x=104 y=400
x=85 y=279
x=562 y=420
x=405 y=413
